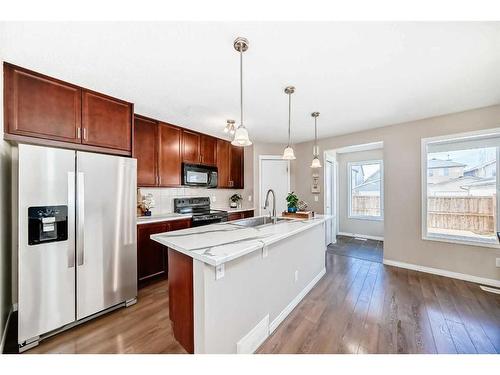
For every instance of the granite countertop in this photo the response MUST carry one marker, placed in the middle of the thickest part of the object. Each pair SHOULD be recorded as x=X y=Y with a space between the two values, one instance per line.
x=175 y=216
x=216 y=244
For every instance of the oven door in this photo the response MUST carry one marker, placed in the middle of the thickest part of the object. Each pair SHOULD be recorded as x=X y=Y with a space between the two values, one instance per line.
x=198 y=222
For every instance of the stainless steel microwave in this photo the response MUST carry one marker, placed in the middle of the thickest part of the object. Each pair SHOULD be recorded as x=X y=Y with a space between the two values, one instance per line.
x=199 y=175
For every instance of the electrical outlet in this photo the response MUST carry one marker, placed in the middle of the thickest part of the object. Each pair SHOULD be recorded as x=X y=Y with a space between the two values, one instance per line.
x=214 y=199
x=498 y=262
x=316 y=198
x=296 y=275
x=249 y=198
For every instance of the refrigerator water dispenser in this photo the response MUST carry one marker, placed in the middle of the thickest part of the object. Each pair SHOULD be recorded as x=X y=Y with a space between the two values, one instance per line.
x=47 y=224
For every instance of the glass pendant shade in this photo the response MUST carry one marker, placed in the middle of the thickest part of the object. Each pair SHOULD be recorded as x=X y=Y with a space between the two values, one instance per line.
x=241 y=137
x=288 y=154
x=316 y=163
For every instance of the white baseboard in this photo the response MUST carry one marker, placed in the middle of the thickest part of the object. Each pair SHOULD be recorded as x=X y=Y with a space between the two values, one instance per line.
x=441 y=272
x=376 y=238
x=5 y=329
x=288 y=309
x=253 y=339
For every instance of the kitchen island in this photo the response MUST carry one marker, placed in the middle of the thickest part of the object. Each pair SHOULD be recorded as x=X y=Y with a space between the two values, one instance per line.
x=231 y=284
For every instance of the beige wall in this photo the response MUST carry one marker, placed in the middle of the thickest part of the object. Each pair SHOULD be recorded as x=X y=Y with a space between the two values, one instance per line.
x=346 y=224
x=402 y=201
x=5 y=228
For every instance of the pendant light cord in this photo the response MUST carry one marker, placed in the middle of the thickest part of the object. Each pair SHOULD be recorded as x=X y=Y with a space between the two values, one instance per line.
x=315 y=137
x=241 y=85
x=289 y=115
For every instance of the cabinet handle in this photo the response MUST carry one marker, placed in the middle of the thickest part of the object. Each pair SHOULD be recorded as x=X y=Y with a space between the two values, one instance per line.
x=159 y=180
x=85 y=134
x=78 y=133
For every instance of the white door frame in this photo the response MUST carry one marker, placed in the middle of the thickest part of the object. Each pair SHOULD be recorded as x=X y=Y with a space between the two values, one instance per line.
x=328 y=158
x=270 y=157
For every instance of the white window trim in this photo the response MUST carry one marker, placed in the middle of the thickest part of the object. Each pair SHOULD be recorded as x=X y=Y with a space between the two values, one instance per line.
x=349 y=190
x=461 y=240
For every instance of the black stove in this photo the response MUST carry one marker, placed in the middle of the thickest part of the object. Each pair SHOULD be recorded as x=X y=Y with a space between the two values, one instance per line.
x=199 y=207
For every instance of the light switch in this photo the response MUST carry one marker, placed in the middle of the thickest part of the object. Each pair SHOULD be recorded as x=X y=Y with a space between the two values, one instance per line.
x=316 y=198
x=214 y=199
x=249 y=198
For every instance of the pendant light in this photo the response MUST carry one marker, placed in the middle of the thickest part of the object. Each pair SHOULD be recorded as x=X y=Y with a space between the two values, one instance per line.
x=230 y=127
x=288 y=153
x=241 y=134
x=315 y=162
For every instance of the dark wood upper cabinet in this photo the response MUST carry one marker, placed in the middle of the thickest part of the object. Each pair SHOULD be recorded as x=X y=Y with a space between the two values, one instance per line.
x=208 y=150
x=106 y=122
x=40 y=106
x=236 y=167
x=170 y=156
x=223 y=163
x=191 y=143
x=146 y=146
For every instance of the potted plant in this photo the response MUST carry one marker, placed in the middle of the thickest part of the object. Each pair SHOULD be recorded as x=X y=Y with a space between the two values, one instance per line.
x=147 y=204
x=235 y=201
x=292 y=201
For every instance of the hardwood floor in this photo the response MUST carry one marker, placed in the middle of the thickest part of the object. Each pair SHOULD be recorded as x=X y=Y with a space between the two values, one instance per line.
x=365 y=307
x=357 y=248
x=359 y=306
x=142 y=328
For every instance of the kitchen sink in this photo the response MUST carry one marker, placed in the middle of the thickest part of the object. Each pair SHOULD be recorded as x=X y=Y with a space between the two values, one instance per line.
x=257 y=221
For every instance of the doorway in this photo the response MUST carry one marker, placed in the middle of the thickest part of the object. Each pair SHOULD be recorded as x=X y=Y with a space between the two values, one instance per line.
x=274 y=173
x=354 y=197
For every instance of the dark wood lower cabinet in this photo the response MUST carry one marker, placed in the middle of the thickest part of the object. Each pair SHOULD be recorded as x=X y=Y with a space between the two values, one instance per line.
x=180 y=298
x=239 y=215
x=152 y=259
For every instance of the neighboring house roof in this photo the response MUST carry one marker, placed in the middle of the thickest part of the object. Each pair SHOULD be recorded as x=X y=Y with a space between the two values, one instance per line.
x=489 y=181
x=438 y=163
x=476 y=167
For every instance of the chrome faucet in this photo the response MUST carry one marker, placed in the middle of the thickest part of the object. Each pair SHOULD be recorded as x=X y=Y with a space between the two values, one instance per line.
x=272 y=215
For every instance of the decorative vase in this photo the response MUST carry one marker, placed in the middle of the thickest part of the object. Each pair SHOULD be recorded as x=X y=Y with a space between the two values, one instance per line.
x=147 y=213
x=292 y=209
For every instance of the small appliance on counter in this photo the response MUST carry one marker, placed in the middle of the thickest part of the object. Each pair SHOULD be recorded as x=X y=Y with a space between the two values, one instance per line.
x=200 y=209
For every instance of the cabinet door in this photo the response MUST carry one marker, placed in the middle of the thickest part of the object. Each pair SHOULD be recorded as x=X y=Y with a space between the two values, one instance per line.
x=151 y=256
x=146 y=151
x=247 y=214
x=208 y=150
x=235 y=216
x=169 y=160
x=106 y=122
x=223 y=163
x=40 y=106
x=179 y=224
x=236 y=167
x=190 y=147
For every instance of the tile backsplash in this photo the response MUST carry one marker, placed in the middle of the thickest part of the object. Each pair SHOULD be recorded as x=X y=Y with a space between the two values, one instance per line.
x=219 y=198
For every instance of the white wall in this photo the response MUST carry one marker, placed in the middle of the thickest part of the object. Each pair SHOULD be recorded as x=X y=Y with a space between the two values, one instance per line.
x=402 y=187
x=346 y=224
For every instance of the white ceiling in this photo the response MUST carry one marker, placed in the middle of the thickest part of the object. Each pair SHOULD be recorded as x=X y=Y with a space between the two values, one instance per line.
x=359 y=75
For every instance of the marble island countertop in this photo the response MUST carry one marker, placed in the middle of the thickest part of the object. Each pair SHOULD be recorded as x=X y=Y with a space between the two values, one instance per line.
x=216 y=244
x=175 y=216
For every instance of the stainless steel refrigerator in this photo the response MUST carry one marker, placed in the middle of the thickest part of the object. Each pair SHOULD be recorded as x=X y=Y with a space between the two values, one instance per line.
x=76 y=235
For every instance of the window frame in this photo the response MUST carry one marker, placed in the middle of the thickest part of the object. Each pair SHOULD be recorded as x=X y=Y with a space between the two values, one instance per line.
x=461 y=240
x=349 y=190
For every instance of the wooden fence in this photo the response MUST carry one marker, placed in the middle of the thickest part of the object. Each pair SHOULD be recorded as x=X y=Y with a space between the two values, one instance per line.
x=365 y=205
x=475 y=214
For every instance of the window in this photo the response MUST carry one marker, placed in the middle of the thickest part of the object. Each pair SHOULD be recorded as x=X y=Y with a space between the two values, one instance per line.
x=461 y=205
x=366 y=198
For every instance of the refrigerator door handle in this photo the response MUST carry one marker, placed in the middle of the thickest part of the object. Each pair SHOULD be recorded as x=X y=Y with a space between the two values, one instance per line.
x=80 y=214
x=71 y=218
